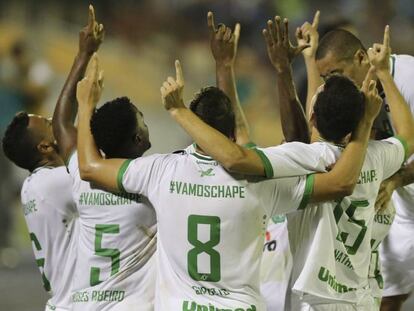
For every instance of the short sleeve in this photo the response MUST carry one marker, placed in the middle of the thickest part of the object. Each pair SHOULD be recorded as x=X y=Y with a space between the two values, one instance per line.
x=391 y=154
x=140 y=175
x=73 y=167
x=291 y=159
x=285 y=195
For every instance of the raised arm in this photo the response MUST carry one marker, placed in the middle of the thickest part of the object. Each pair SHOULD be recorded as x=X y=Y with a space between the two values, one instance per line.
x=281 y=54
x=401 y=117
x=64 y=130
x=223 y=44
x=232 y=156
x=92 y=166
x=339 y=182
x=308 y=34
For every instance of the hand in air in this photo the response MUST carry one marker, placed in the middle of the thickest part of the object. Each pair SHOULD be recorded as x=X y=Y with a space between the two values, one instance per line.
x=279 y=48
x=172 y=90
x=379 y=54
x=373 y=101
x=308 y=34
x=89 y=89
x=223 y=41
x=92 y=35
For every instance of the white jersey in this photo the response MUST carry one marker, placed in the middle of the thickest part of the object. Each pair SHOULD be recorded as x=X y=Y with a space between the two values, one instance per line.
x=51 y=219
x=382 y=225
x=115 y=269
x=276 y=264
x=331 y=242
x=402 y=69
x=211 y=227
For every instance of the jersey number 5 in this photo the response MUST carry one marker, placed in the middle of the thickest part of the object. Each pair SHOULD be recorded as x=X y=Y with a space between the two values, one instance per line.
x=204 y=247
x=112 y=253
x=351 y=230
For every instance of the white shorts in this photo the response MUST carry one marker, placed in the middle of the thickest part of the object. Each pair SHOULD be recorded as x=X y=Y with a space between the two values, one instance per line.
x=397 y=259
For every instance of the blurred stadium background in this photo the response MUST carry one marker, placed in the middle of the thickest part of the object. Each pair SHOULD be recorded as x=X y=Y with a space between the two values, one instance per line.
x=39 y=40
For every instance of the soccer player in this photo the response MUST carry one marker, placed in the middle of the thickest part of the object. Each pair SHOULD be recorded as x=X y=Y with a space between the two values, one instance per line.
x=340 y=51
x=336 y=272
x=277 y=260
x=382 y=220
x=209 y=221
x=46 y=195
x=47 y=203
x=117 y=232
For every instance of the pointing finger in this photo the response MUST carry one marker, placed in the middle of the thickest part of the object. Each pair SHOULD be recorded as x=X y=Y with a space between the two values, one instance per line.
x=315 y=22
x=210 y=22
x=386 y=41
x=179 y=73
x=237 y=32
x=91 y=19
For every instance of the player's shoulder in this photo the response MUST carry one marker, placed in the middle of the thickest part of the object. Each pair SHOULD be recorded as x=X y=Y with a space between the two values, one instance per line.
x=402 y=66
x=378 y=149
x=48 y=180
x=374 y=145
x=288 y=148
x=158 y=159
x=401 y=59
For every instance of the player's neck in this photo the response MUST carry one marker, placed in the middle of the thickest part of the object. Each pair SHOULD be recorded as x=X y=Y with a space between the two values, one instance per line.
x=342 y=143
x=53 y=162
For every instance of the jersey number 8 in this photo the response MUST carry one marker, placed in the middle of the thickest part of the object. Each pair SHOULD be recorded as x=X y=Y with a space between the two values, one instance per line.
x=204 y=247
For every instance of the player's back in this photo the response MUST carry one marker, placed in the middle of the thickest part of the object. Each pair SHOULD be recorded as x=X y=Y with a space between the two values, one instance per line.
x=331 y=242
x=117 y=239
x=211 y=226
x=52 y=222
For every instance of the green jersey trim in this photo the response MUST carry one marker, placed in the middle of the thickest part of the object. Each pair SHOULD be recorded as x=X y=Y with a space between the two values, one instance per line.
x=310 y=179
x=121 y=173
x=405 y=145
x=201 y=157
x=266 y=163
x=250 y=145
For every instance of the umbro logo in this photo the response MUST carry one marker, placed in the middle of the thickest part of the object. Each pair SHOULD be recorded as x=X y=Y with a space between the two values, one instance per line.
x=208 y=172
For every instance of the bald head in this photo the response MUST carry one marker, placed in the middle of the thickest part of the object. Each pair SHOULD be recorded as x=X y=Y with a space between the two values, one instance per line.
x=339 y=42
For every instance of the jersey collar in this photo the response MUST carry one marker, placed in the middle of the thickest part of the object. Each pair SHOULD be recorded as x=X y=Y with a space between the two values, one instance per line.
x=341 y=146
x=199 y=155
x=41 y=167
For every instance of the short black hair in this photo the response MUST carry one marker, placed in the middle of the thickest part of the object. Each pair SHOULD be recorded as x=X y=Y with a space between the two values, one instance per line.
x=338 y=108
x=214 y=107
x=342 y=43
x=18 y=143
x=113 y=125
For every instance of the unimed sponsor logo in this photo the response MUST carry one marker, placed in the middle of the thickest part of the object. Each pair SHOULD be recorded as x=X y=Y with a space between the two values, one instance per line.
x=193 y=306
